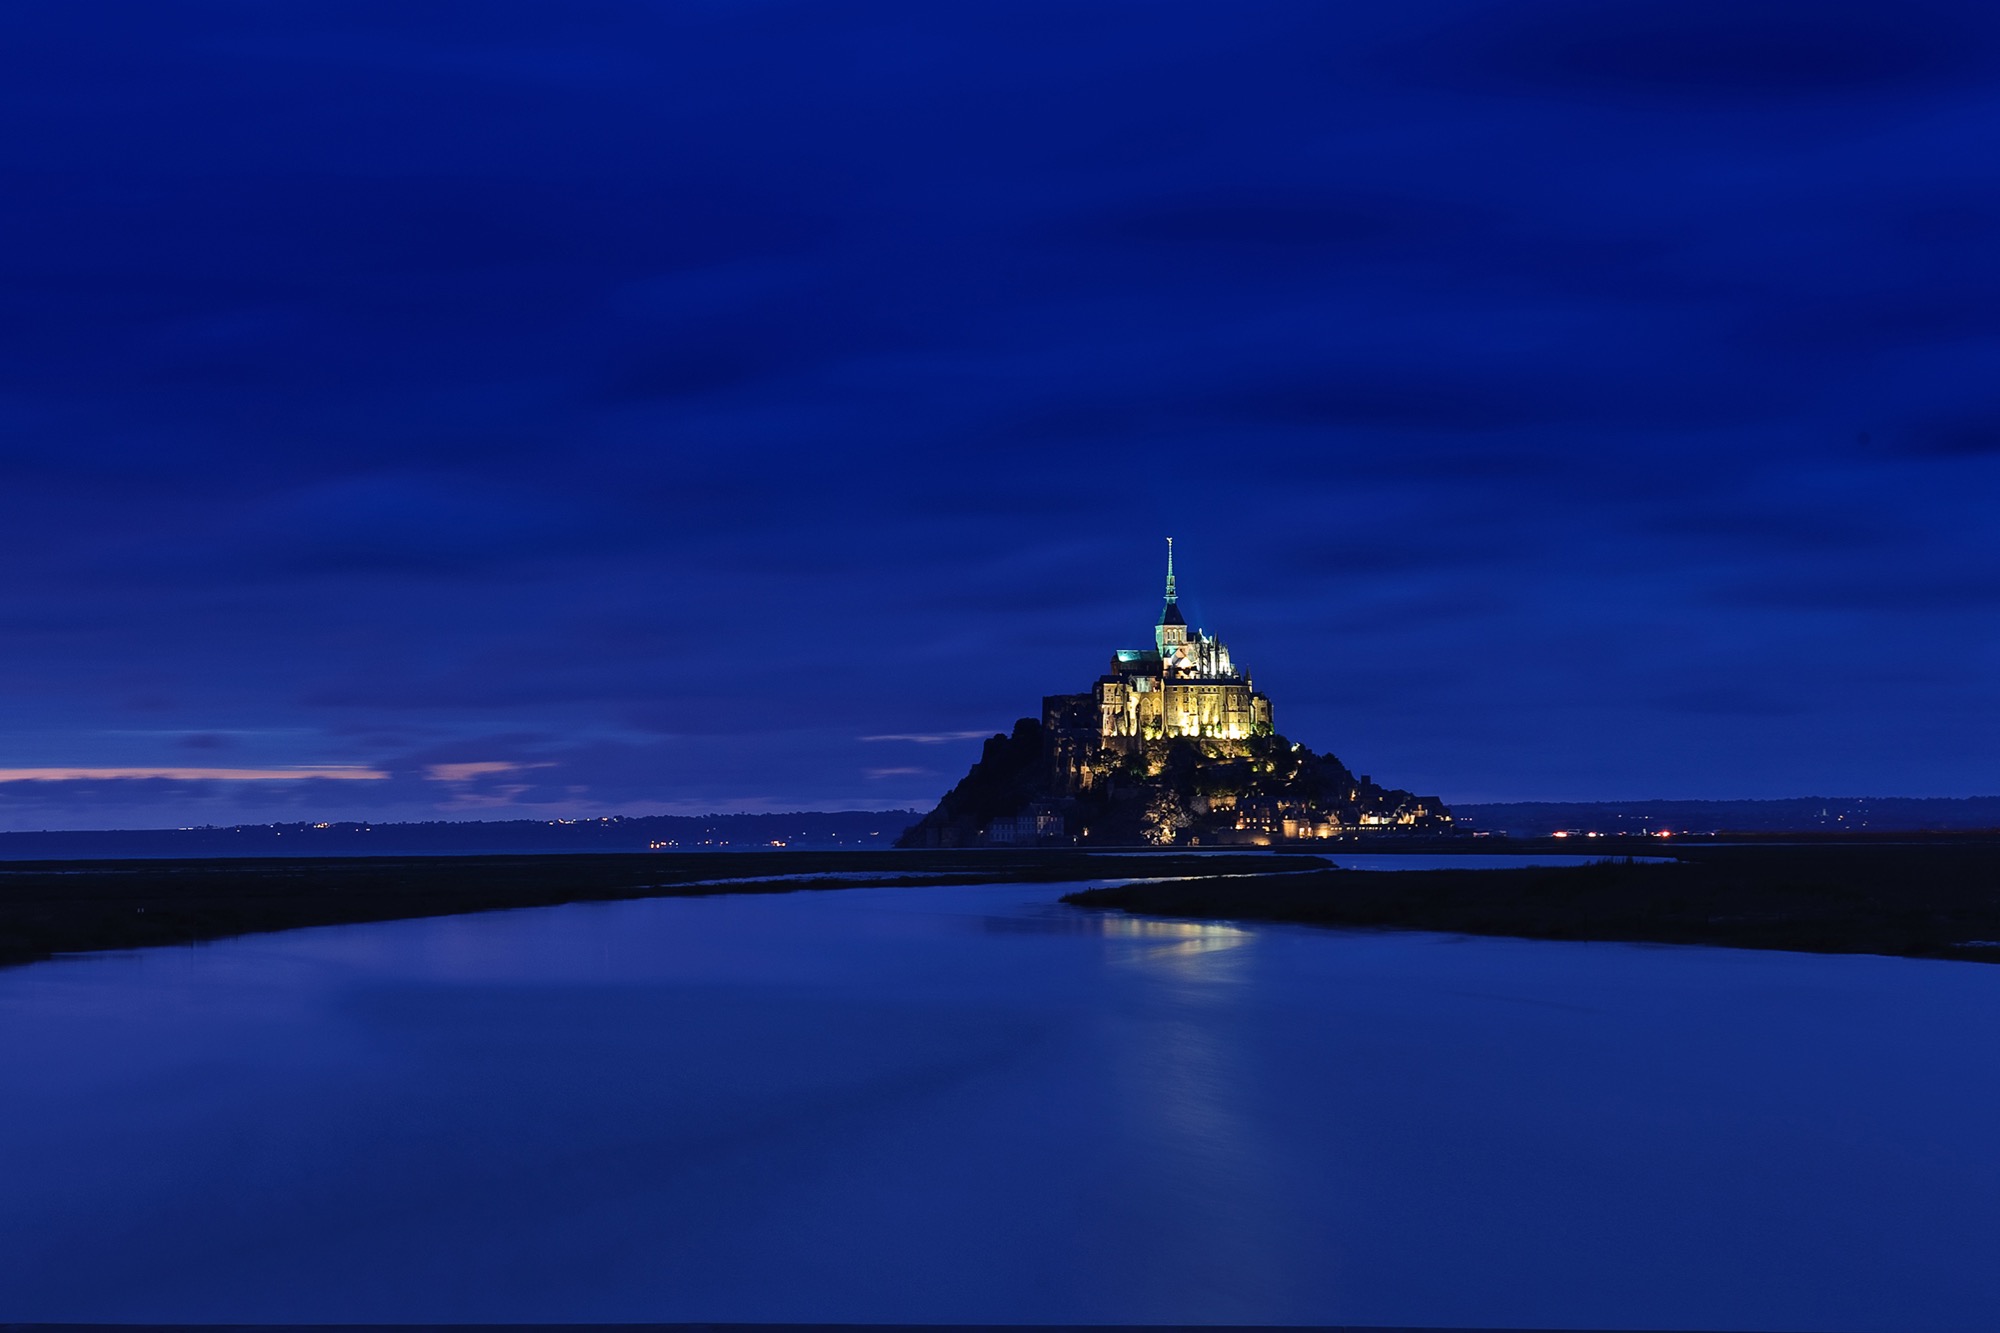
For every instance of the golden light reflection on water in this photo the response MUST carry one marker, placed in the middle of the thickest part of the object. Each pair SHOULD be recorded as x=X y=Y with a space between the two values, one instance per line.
x=1174 y=940
x=1186 y=1100
x=1142 y=928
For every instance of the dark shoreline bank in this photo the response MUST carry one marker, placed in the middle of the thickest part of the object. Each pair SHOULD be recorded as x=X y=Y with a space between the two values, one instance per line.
x=59 y=907
x=1924 y=898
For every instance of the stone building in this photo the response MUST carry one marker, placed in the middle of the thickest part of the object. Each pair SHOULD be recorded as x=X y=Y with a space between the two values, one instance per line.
x=1185 y=685
x=1172 y=745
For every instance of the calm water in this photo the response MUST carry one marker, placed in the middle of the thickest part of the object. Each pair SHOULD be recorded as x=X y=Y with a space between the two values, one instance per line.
x=972 y=1104
x=1471 y=861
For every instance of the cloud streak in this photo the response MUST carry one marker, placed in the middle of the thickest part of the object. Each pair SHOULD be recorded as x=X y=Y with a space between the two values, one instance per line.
x=467 y=772
x=183 y=773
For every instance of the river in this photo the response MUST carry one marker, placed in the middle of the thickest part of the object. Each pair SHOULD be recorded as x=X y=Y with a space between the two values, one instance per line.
x=976 y=1105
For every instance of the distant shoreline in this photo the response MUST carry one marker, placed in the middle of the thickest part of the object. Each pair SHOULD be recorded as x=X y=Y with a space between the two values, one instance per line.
x=1786 y=815
x=817 y=830
x=863 y=830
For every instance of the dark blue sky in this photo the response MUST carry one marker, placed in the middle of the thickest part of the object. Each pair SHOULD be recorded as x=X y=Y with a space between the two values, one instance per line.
x=647 y=405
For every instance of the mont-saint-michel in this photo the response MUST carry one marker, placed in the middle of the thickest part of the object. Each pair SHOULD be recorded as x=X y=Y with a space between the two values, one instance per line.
x=1173 y=744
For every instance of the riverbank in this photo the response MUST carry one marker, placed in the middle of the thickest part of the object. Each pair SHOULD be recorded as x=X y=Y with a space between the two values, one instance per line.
x=57 y=907
x=1920 y=899
x=1927 y=898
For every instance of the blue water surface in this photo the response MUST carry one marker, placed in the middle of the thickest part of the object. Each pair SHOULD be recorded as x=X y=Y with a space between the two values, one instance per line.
x=975 y=1105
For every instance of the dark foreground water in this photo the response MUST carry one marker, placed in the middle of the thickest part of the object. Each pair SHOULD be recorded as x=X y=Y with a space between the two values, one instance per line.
x=973 y=1105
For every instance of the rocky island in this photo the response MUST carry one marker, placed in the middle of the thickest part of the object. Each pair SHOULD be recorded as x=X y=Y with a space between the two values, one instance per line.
x=1173 y=745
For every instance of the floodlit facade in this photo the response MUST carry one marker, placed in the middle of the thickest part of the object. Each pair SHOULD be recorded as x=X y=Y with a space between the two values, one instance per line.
x=1173 y=745
x=1185 y=685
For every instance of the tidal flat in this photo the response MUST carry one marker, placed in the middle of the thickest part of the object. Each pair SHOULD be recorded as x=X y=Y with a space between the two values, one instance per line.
x=57 y=907
x=1922 y=898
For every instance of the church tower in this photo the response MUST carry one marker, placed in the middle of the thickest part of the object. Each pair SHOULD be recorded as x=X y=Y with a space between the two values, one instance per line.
x=1171 y=632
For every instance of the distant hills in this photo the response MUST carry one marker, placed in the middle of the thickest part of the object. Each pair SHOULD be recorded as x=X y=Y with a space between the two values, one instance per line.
x=1818 y=814
x=664 y=833
x=860 y=829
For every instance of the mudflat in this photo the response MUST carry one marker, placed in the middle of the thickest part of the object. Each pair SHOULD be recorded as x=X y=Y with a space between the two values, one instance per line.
x=53 y=907
x=1922 y=898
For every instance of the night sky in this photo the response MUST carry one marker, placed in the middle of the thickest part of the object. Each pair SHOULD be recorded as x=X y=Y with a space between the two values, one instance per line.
x=529 y=410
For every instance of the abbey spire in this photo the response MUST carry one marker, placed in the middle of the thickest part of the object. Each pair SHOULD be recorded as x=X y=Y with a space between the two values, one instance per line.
x=1171 y=632
x=1173 y=744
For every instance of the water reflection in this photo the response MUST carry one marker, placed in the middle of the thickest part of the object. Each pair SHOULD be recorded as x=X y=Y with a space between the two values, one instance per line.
x=1173 y=941
x=1164 y=937
x=1143 y=928
x=974 y=1104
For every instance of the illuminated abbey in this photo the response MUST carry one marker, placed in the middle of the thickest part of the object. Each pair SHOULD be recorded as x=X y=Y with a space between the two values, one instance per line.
x=1173 y=744
x=1184 y=685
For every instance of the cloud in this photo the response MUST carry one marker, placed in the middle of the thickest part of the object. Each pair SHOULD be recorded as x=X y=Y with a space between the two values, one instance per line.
x=1976 y=436
x=1260 y=221
x=1877 y=594
x=930 y=737
x=1704 y=51
x=1730 y=700
x=181 y=773
x=499 y=798
x=458 y=773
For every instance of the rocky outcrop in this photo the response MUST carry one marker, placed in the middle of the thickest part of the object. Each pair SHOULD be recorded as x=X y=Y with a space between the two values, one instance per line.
x=1037 y=786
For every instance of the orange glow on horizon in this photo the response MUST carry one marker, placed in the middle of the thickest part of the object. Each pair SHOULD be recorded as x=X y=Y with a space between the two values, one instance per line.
x=337 y=772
